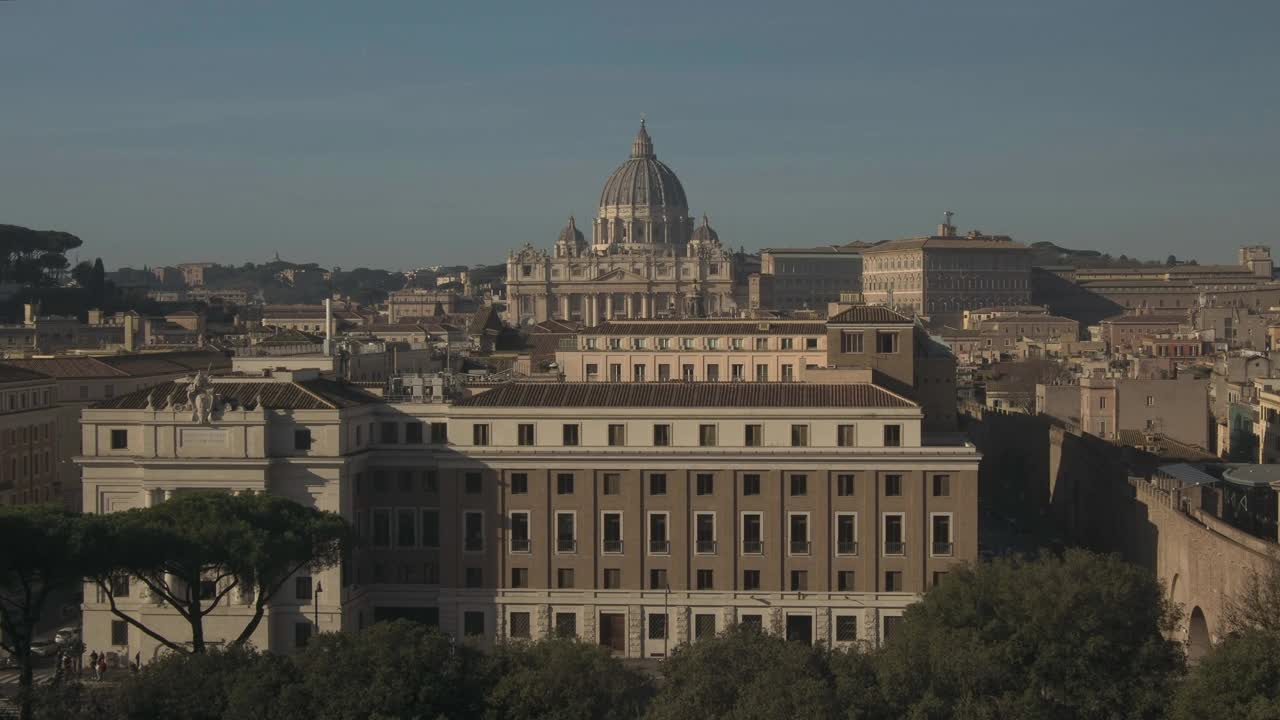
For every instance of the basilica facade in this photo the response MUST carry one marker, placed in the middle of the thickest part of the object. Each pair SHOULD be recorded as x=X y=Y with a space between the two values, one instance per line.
x=647 y=257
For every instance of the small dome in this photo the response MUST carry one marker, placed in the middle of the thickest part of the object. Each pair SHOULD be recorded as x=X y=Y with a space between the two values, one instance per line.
x=643 y=181
x=571 y=235
x=704 y=234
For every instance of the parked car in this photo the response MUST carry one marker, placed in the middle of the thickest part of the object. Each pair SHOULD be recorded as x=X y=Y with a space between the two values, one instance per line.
x=68 y=635
x=44 y=648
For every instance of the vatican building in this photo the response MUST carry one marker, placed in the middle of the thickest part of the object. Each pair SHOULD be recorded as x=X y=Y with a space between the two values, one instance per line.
x=647 y=257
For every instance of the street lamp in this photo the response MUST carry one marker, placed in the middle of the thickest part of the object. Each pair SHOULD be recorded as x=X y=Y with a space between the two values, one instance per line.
x=315 y=603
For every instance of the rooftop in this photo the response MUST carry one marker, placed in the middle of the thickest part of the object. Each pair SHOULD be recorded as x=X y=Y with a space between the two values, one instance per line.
x=16 y=374
x=688 y=395
x=313 y=394
x=877 y=314
x=707 y=327
x=135 y=365
x=959 y=242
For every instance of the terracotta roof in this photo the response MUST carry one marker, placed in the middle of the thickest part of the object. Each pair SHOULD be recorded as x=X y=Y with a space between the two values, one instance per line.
x=868 y=314
x=555 y=326
x=689 y=395
x=15 y=374
x=317 y=394
x=1146 y=320
x=708 y=327
x=136 y=365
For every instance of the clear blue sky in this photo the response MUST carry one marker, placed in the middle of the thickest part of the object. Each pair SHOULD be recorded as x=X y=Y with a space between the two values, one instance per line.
x=399 y=134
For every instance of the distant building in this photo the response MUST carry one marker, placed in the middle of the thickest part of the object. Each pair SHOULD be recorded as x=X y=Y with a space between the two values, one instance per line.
x=193 y=273
x=805 y=278
x=29 y=440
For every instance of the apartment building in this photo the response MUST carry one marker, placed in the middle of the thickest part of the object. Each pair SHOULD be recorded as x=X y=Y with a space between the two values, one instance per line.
x=28 y=437
x=633 y=515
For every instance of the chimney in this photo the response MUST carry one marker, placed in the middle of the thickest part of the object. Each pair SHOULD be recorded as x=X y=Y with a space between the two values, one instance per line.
x=29 y=312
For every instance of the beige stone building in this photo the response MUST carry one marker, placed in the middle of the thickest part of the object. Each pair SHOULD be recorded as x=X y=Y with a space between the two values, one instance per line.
x=633 y=515
x=805 y=278
x=29 y=438
x=646 y=259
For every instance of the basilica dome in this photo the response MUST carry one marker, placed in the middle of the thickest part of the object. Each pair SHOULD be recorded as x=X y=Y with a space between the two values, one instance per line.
x=643 y=202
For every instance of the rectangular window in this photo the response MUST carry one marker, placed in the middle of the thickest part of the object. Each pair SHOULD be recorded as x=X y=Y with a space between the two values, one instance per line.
x=519 y=483
x=686 y=373
x=941 y=528
x=617 y=435
x=612 y=579
x=658 y=579
x=119 y=439
x=707 y=435
x=472 y=484
x=752 y=534
x=706 y=483
x=844 y=581
x=473 y=623
x=480 y=434
x=664 y=369
x=893 y=436
x=657 y=626
x=750 y=579
x=894 y=534
x=893 y=486
x=592 y=368
x=566 y=532
x=799 y=581
x=390 y=433
x=886 y=342
x=754 y=436
x=762 y=344
x=851 y=342
x=704 y=626
x=844 y=485
x=846 y=534
x=406 y=528
x=120 y=632
x=120 y=586
x=615 y=372
x=473 y=577
x=846 y=628
x=570 y=433
x=753 y=621
x=612 y=483
x=798 y=528
x=413 y=433
x=661 y=435
x=473 y=531
x=704 y=524
x=893 y=581
x=659 y=540
x=762 y=373
x=382 y=528
x=637 y=373
x=611 y=532
x=705 y=580
x=520 y=542
x=737 y=372
x=520 y=625
x=788 y=373
x=439 y=433
x=845 y=436
x=941 y=485
x=567 y=624
x=302 y=439
x=799 y=436
x=891 y=626
x=564 y=578
x=524 y=434
x=799 y=485
x=519 y=577
x=657 y=484
x=564 y=484
x=713 y=373
x=431 y=528
x=750 y=484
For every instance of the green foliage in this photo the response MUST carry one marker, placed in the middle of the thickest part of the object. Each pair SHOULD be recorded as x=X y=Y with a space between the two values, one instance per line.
x=1080 y=636
x=29 y=257
x=208 y=686
x=745 y=674
x=1238 y=680
x=1257 y=605
x=563 y=679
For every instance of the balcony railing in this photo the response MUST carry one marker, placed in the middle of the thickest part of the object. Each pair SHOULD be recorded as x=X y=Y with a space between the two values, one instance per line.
x=520 y=545
x=612 y=546
x=944 y=549
x=566 y=545
x=660 y=547
x=752 y=547
x=800 y=547
x=846 y=548
x=895 y=548
x=705 y=547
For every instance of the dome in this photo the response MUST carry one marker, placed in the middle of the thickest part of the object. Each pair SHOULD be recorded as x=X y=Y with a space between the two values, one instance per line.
x=571 y=235
x=644 y=183
x=704 y=234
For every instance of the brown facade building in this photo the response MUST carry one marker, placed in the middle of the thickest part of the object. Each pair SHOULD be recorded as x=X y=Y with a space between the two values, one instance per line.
x=29 y=438
x=805 y=278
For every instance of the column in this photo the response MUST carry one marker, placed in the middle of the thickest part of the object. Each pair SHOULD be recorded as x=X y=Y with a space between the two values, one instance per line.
x=644 y=305
x=630 y=305
x=608 y=306
x=593 y=310
x=564 y=307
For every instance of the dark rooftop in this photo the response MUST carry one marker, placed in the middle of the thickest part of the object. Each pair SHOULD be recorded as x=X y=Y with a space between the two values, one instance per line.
x=15 y=374
x=708 y=327
x=877 y=314
x=683 y=394
x=315 y=394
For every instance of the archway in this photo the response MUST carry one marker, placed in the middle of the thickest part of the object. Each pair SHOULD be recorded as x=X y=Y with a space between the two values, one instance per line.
x=1197 y=636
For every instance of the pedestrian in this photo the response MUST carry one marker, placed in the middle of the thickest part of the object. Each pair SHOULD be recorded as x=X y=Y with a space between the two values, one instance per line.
x=102 y=666
x=137 y=661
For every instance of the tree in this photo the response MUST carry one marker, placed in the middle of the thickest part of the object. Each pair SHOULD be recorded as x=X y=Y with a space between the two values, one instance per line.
x=390 y=670
x=563 y=679
x=1238 y=680
x=1077 y=636
x=29 y=256
x=1257 y=605
x=43 y=554
x=745 y=674
x=193 y=551
x=238 y=682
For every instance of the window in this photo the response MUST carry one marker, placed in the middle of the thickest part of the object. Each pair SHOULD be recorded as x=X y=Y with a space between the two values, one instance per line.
x=611 y=528
x=519 y=484
x=617 y=435
x=382 y=528
x=811 y=343
x=208 y=589
x=431 y=528
x=851 y=342
x=120 y=586
x=846 y=628
x=390 y=433
x=705 y=580
x=659 y=541
x=752 y=534
x=661 y=435
x=762 y=373
x=520 y=542
x=754 y=436
x=664 y=369
x=566 y=532
x=413 y=433
x=439 y=433
x=657 y=484
x=524 y=434
x=750 y=579
x=406 y=528
x=799 y=581
x=844 y=485
x=480 y=434
x=751 y=484
x=845 y=436
x=564 y=578
x=519 y=625
x=592 y=368
x=473 y=623
x=941 y=485
x=519 y=577
x=707 y=435
x=473 y=577
x=893 y=486
x=472 y=483
x=886 y=342
x=894 y=534
x=658 y=579
x=762 y=344
x=612 y=483
x=844 y=581
x=893 y=581
x=799 y=436
x=788 y=373
x=302 y=439
x=704 y=626
x=473 y=531
x=612 y=579
x=893 y=436
x=941 y=528
x=404 y=482
x=1151 y=401
x=567 y=624
x=1102 y=403
x=120 y=632
x=846 y=534
x=704 y=525
x=570 y=433
x=737 y=372
x=119 y=439
x=657 y=626
x=798 y=526
x=891 y=624
x=686 y=372
x=753 y=621
x=799 y=485
x=712 y=373
x=564 y=484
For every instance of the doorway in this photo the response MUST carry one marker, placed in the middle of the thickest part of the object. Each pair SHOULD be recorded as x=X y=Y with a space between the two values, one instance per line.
x=613 y=632
x=800 y=628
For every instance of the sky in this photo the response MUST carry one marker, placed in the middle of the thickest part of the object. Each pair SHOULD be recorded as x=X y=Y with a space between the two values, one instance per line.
x=400 y=134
